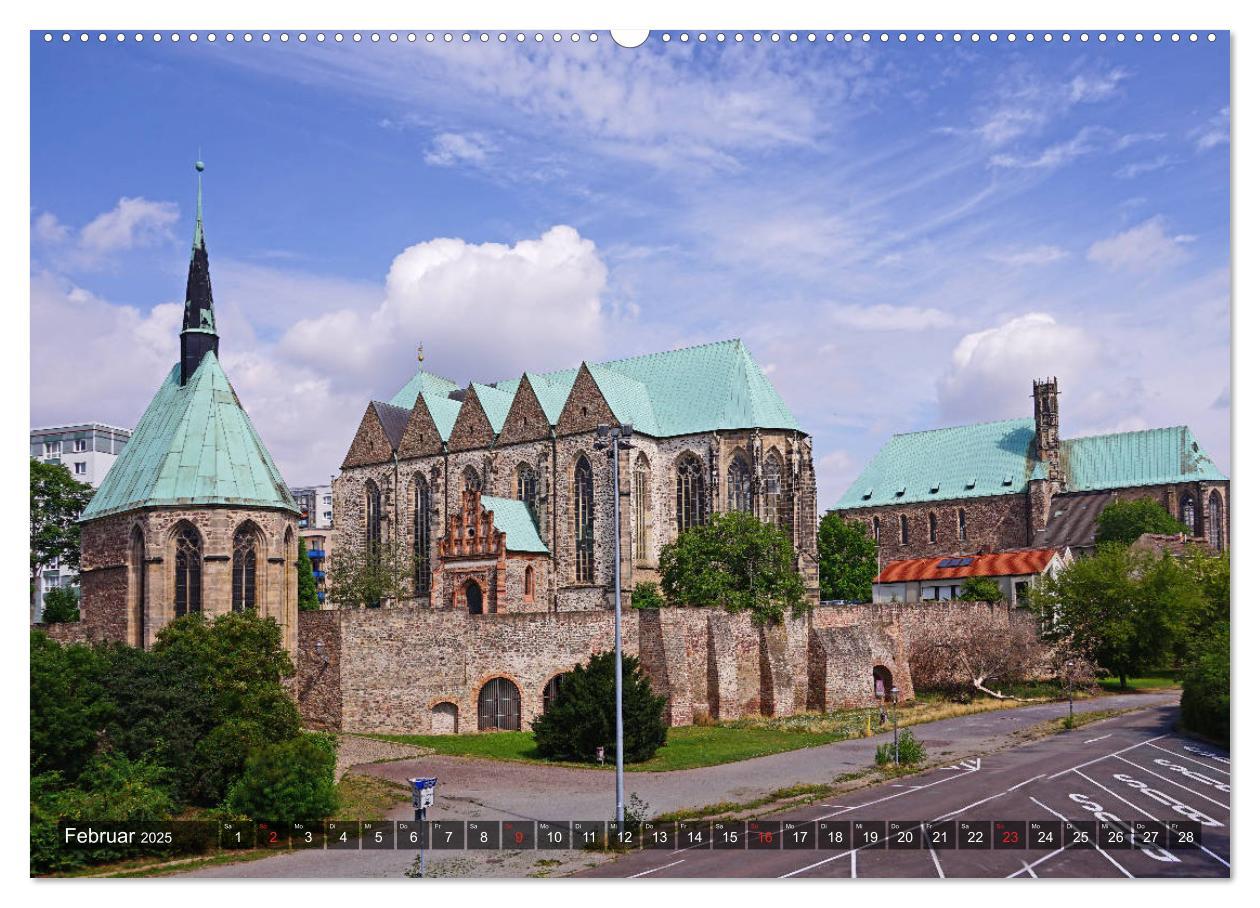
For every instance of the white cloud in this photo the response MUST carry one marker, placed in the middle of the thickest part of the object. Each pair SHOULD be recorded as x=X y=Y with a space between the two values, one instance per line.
x=1033 y=255
x=1212 y=133
x=885 y=317
x=991 y=371
x=1147 y=247
x=1095 y=87
x=486 y=311
x=452 y=148
x=1053 y=156
x=131 y=224
x=1137 y=168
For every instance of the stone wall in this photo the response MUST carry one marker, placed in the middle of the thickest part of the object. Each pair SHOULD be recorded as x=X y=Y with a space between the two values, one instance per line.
x=409 y=670
x=992 y=523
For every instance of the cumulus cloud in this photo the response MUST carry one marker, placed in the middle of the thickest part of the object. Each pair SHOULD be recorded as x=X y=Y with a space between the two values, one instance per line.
x=991 y=371
x=885 y=317
x=486 y=311
x=1145 y=248
x=131 y=224
x=451 y=148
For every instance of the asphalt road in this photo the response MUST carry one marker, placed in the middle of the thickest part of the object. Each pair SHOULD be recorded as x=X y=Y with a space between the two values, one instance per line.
x=1132 y=767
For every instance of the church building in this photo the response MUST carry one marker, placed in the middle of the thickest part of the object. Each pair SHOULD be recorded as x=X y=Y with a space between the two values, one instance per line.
x=503 y=502
x=193 y=516
x=1016 y=484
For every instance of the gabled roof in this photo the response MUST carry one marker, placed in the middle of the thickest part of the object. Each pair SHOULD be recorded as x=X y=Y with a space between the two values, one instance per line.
x=512 y=517
x=444 y=409
x=393 y=420
x=676 y=392
x=998 y=458
x=1073 y=520
x=422 y=382
x=1013 y=563
x=194 y=445
x=992 y=458
x=496 y=404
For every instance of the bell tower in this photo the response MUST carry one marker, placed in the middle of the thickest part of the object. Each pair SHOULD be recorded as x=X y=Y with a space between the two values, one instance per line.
x=1046 y=417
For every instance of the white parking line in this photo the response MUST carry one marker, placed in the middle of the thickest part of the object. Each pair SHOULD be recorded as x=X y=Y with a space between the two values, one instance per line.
x=1152 y=772
x=655 y=869
x=1144 y=813
x=958 y=775
x=1096 y=848
x=1224 y=772
x=1026 y=781
x=1092 y=740
x=1112 y=754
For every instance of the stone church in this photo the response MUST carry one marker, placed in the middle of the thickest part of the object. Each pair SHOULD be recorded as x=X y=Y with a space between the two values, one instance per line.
x=1015 y=483
x=193 y=517
x=503 y=503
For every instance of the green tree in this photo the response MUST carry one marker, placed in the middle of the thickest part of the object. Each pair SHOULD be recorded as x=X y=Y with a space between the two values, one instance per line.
x=1128 y=611
x=291 y=780
x=61 y=605
x=308 y=598
x=57 y=500
x=582 y=717
x=980 y=589
x=737 y=562
x=646 y=595
x=362 y=576
x=848 y=558
x=1125 y=521
x=69 y=705
x=1205 y=685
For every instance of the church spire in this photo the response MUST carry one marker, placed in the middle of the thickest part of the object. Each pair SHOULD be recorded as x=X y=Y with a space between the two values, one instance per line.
x=198 y=336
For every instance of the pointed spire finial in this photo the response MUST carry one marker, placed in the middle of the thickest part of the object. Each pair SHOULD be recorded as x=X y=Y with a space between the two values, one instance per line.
x=420 y=353
x=199 y=238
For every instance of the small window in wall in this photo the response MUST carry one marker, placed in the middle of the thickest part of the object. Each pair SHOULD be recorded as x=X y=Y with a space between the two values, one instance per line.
x=1215 y=523
x=962 y=524
x=472 y=597
x=932 y=527
x=1021 y=592
x=80 y=445
x=875 y=529
x=472 y=479
x=80 y=468
x=1190 y=513
x=905 y=529
x=529 y=583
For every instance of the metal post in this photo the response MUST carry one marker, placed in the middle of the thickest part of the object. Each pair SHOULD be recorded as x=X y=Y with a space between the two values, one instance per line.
x=420 y=818
x=896 y=740
x=1071 y=680
x=616 y=468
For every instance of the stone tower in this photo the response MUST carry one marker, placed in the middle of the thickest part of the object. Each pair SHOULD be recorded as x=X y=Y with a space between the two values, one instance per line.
x=1046 y=418
x=193 y=517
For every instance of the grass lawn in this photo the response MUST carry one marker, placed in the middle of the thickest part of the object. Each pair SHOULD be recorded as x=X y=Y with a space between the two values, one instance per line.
x=694 y=746
x=1161 y=680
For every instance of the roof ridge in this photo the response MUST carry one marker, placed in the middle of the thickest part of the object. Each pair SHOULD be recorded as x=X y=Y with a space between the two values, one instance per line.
x=966 y=425
x=1182 y=427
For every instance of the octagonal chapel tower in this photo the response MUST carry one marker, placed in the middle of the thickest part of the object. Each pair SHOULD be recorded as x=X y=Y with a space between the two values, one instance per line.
x=193 y=516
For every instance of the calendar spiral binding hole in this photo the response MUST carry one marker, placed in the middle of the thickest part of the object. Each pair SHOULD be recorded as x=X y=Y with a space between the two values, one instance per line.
x=665 y=37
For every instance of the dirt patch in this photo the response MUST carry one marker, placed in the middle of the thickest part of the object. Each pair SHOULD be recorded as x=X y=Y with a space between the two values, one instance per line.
x=354 y=750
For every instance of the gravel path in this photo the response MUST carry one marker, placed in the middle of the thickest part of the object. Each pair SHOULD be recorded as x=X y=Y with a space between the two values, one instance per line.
x=354 y=750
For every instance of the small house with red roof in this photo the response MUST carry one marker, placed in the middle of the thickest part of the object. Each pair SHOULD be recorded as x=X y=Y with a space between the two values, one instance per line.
x=933 y=579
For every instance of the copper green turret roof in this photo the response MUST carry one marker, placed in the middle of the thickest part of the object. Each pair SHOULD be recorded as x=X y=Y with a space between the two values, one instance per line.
x=513 y=518
x=676 y=392
x=194 y=445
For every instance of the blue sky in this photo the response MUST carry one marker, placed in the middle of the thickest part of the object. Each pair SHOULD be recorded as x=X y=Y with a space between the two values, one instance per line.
x=904 y=235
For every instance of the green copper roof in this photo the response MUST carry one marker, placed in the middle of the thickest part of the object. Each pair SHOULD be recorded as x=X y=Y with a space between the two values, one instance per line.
x=496 y=403
x=422 y=382
x=513 y=518
x=1144 y=458
x=194 y=445
x=998 y=458
x=677 y=392
x=959 y=462
x=444 y=411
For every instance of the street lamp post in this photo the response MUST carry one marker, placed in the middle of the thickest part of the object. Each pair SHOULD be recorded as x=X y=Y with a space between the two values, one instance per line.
x=1071 y=678
x=896 y=692
x=616 y=439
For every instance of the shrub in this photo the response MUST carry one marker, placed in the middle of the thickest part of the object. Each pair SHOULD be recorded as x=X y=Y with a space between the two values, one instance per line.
x=291 y=781
x=583 y=715
x=1205 y=687
x=1125 y=521
x=61 y=605
x=308 y=594
x=68 y=705
x=980 y=589
x=909 y=750
x=646 y=595
x=848 y=558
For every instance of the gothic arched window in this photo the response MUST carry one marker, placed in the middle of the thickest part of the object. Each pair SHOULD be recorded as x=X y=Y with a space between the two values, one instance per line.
x=642 y=498
x=584 y=521
x=373 y=513
x=245 y=568
x=472 y=479
x=138 y=584
x=690 y=493
x=1216 y=537
x=962 y=524
x=529 y=583
x=1190 y=513
x=905 y=529
x=527 y=489
x=424 y=505
x=738 y=485
x=187 y=571
x=772 y=476
x=932 y=527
